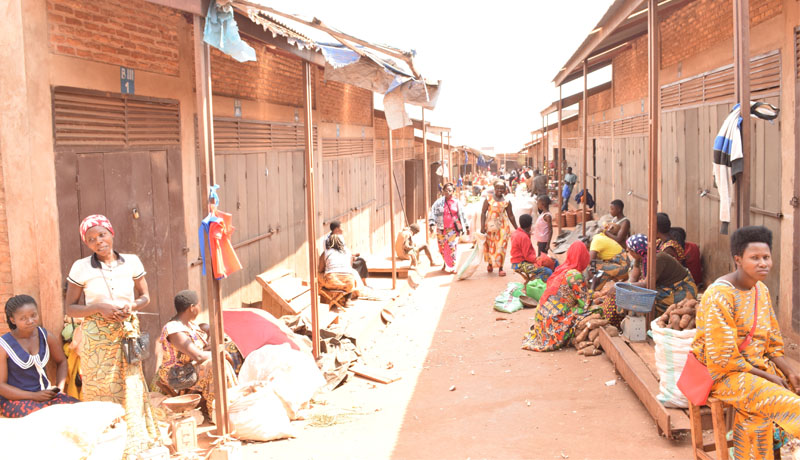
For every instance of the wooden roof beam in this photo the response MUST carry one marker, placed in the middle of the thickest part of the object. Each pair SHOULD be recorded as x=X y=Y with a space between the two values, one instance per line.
x=575 y=98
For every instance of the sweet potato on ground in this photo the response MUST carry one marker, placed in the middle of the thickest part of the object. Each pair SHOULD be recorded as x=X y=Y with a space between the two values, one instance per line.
x=596 y=323
x=584 y=321
x=593 y=334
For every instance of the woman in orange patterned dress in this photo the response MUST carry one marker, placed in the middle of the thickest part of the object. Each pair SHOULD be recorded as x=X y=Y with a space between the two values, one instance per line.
x=751 y=375
x=114 y=289
x=496 y=227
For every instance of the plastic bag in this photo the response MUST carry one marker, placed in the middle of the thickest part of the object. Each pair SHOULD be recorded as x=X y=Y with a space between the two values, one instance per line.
x=468 y=262
x=671 y=350
x=535 y=289
x=291 y=374
x=508 y=301
x=257 y=414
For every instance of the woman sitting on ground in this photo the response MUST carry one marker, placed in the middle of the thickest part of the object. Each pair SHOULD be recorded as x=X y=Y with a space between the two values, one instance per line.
x=184 y=351
x=24 y=353
x=562 y=303
x=751 y=375
x=609 y=258
x=673 y=281
x=523 y=256
x=691 y=251
x=665 y=241
x=336 y=269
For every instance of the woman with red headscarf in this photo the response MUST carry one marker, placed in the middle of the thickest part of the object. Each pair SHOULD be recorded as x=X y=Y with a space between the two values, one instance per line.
x=114 y=289
x=561 y=304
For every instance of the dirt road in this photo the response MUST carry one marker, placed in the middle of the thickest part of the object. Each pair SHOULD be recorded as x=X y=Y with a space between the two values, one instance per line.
x=507 y=403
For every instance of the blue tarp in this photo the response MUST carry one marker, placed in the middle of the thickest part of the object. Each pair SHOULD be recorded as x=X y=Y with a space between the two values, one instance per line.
x=222 y=33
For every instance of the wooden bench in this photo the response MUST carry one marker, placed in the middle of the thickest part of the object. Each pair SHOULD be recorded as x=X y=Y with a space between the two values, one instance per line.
x=382 y=265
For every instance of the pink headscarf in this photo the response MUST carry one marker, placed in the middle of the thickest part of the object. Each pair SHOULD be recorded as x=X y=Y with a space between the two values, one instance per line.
x=95 y=220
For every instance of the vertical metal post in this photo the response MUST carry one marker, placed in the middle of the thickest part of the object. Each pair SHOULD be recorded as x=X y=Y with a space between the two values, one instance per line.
x=585 y=144
x=653 y=95
x=205 y=123
x=310 y=214
x=426 y=172
x=741 y=64
x=559 y=166
x=391 y=210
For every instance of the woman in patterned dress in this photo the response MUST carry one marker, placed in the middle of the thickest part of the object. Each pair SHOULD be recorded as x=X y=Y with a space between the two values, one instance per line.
x=673 y=281
x=751 y=375
x=114 y=289
x=447 y=220
x=665 y=242
x=24 y=353
x=562 y=303
x=495 y=226
x=183 y=341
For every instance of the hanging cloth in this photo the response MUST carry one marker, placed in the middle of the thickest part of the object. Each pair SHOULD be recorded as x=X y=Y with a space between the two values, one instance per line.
x=215 y=237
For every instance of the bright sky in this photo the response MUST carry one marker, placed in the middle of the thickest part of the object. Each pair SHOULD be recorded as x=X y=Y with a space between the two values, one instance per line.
x=496 y=64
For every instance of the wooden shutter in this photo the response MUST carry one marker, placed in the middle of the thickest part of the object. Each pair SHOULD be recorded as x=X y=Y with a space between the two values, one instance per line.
x=797 y=52
x=716 y=86
x=337 y=146
x=235 y=135
x=92 y=118
x=631 y=126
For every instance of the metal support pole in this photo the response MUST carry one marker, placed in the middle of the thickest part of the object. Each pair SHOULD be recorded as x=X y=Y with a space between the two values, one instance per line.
x=205 y=114
x=585 y=143
x=391 y=209
x=310 y=220
x=741 y=64
x=426 y=172
x=652 y=185
x=559 y=167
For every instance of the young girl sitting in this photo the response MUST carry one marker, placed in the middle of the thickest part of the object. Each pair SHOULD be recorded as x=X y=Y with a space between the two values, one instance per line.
x=24 y=353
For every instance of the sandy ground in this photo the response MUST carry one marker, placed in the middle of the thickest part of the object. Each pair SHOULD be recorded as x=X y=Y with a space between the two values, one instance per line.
x=507 y=403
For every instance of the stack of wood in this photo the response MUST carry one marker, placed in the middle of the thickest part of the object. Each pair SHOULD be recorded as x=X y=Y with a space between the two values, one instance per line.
x=587 y=334
x=680 y=316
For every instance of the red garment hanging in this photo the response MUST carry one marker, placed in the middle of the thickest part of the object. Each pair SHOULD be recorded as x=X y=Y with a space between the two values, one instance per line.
x=224 y=260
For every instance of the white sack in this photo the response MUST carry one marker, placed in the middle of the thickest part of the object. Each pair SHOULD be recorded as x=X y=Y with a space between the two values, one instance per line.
x=468 y=262
x=257 y=414
x=292 y=374
x=671 y=350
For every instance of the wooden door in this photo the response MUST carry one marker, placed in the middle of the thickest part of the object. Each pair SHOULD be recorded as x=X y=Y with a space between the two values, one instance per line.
x=132 y=189
x=120 y=156
x=411 y=191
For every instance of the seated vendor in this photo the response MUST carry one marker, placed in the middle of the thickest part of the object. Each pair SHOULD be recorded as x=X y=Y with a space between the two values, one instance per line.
x=673 y=281
x=562 y=304
x=358 y=264
x=619 y=228
x=739 y=340
x=184 y=353
x=691 y=251
x=523 y=255
x=24 y=354
x=407 y=249
x=609 y=259
x=336 y=269
x=666 y=241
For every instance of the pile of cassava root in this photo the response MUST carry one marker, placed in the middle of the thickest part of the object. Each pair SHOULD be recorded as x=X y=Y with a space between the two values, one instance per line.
x=680 y=316
x=587 y=335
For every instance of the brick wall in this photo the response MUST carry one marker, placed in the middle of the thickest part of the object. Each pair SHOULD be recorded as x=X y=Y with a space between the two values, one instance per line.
x=629 y=73
x=701 y=24
x=600 y=102
x=346 y=104
x=6 y=287
x=272 y=78
x=131 y=33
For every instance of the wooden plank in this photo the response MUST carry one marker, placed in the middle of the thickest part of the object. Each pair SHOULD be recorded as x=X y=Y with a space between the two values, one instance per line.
x=163 y=269
x=263 y=206
x=299 y=203
x=66 y=166
x=253 y=206
x=177 y=230
x=272 y=275
x=289 y=287
x=641 y=381
x=646 y=352
x=377 y=375
x=691 y=169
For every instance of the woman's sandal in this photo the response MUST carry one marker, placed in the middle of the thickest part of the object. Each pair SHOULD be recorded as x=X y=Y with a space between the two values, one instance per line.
x=501 y=272
x=489 y=268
